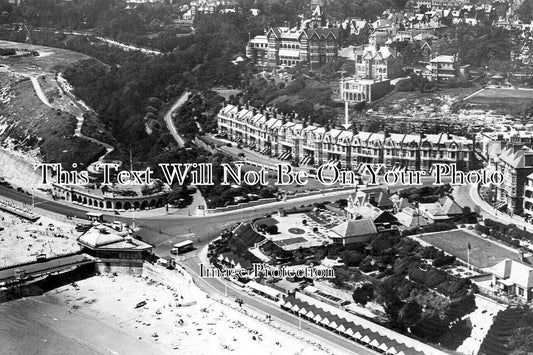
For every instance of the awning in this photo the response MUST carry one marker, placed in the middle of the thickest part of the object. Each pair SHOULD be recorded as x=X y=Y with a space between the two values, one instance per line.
x=366 y=339
x=374 y=343
x=269 y=291
x=266 y=150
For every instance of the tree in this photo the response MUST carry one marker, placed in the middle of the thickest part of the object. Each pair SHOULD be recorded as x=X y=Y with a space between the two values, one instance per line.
x=409 y=314
x=272 y=229
x=393 y=304
x=351 y=257
x=363 y=294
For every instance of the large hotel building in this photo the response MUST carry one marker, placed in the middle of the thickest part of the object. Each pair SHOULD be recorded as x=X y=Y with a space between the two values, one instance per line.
x=286 y=138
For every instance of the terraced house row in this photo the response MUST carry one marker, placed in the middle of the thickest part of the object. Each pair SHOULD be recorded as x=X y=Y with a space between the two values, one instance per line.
x=286 y=138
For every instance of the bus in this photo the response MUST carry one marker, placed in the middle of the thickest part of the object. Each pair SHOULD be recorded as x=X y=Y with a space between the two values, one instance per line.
x=182 y=247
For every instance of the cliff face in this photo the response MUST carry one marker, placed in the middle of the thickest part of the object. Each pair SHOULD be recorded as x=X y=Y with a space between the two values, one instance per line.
x=40 y=121
x=27 y=124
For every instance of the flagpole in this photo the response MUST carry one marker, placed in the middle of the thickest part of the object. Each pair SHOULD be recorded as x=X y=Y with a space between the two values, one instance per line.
x=468 y=256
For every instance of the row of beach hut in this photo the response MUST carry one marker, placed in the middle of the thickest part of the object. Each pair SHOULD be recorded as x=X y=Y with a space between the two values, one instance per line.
x=348 y=328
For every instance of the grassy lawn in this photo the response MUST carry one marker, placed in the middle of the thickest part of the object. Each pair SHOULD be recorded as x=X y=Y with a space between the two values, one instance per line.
x=499 y=98
x=397 y=97
x=483 y=253
x=48 y=59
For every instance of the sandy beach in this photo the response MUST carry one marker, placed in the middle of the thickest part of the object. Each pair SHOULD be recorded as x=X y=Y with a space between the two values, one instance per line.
x=21 y=240
x=101 y=316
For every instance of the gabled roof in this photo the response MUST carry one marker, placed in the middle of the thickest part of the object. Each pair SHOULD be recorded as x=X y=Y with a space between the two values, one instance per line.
x=444 y=59
x=355 y=228
x=517 y=159
x=515 y=271
x=321 y=32
x=410 y=218
x=275 y=31
x=444 y=207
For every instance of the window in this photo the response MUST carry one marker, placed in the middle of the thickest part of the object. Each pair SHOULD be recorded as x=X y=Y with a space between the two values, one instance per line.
x=520 y=291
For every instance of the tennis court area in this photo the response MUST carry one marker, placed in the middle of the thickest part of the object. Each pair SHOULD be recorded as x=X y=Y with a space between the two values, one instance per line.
x=483 y=252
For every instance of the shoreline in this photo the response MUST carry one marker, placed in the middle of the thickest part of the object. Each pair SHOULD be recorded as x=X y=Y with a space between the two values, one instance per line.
x=101 y=315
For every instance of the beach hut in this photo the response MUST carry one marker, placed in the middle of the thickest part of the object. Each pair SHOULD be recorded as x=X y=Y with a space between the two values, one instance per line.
x=366 y=339
x=357 y=335
x=302 y=311
x=393 y=347
x=341 y=328
x=333 y=324
x=350 y=331
x=374 y=343
x=310 y=315
x=402 y=349
x=380 y=343
x=317 y=318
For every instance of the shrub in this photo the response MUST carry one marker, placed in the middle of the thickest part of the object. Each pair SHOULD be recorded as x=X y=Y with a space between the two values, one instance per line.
x=351 y=257
x=272 y=229
x=363 y=294
x=443 y=259
x=435 y=277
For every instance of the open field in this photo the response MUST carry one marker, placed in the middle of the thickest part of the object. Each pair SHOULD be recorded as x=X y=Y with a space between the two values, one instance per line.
x=499 y=97
x=405 y=102
x=48 y=59
x=483 y=253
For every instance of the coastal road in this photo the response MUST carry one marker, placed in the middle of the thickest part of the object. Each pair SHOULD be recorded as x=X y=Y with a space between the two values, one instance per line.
x=42 y=203
x=168 y=118
x=164 y=231
x=262 y=305
x=467 y=195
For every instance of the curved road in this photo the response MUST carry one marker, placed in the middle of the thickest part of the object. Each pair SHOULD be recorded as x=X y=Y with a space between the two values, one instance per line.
x=39 y=91
x=264 y=306
x=168 y=118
